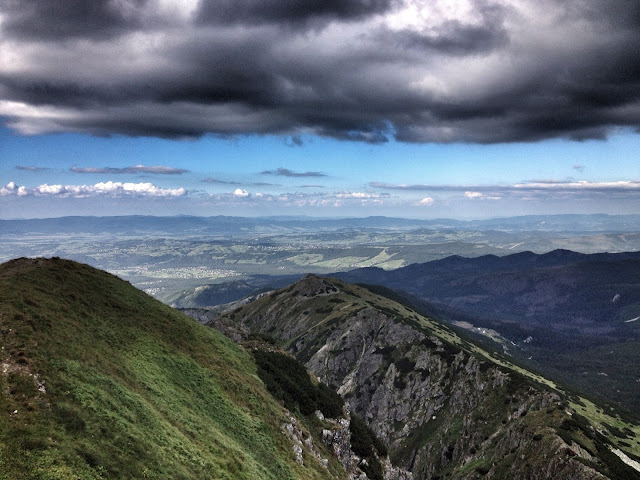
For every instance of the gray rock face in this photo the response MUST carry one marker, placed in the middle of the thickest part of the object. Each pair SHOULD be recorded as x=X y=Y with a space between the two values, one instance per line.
x=339 y=438
x=403 y=381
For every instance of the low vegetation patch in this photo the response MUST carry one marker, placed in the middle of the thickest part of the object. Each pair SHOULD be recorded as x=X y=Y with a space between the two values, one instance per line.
x=288 y=380
x=367 y=445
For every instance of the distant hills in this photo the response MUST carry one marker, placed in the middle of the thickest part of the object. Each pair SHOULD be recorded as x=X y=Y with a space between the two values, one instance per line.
x=169 y=256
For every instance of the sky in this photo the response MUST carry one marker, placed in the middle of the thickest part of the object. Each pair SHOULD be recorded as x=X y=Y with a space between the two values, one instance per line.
x=413 y=108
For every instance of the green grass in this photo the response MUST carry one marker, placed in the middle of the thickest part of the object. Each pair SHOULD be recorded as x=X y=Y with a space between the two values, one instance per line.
x=611 y=423
x=133 y=389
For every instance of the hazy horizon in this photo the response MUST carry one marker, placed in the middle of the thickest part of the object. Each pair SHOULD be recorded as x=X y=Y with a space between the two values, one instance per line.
x=305 y=217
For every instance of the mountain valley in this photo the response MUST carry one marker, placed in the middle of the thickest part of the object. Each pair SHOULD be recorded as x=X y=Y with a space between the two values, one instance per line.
x=102 y=381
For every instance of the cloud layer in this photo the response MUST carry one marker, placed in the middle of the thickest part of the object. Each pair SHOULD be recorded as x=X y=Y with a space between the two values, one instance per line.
x=365 y=70
x=157 y=169
x=112 y=189
x=535 y=189
x=419 y=199
x=285 y=172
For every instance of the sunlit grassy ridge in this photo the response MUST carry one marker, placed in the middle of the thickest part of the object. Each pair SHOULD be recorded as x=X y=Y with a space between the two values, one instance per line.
x=101 y=381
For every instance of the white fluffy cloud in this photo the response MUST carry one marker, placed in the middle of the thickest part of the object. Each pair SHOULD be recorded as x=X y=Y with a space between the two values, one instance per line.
x=473 y=194
x=481 y=196
x=358 y=195
x=426 y=201
x=103 y=188
x=239 y=192
x=9 y=189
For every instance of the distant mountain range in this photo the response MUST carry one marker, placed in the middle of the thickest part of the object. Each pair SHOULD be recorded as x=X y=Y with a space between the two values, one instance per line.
x=224 y=225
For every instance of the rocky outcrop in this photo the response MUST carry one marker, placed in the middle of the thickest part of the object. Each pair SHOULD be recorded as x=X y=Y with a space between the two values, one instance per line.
x=410 y=386
x=301 y=441
x=234 y=330
x=338 y=437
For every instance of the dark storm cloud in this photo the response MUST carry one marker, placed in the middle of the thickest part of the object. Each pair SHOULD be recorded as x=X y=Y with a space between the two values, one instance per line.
x=285 y=172
x=59 y=19
x=287 y=11
x=359 y=70
x=457 y=37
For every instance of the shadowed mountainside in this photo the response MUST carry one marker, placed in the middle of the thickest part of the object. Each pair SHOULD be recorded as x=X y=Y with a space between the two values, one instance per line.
x=573 y=315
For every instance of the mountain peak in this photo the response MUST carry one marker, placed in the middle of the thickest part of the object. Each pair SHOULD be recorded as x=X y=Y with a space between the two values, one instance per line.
x=312 y=285
x=18 y=265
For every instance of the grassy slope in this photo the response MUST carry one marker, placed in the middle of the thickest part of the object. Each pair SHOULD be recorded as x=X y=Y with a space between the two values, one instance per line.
x=102 y=381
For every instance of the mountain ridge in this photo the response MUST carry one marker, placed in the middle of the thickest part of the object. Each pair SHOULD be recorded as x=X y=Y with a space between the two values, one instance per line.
x=100 y=380
x=436 y=399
